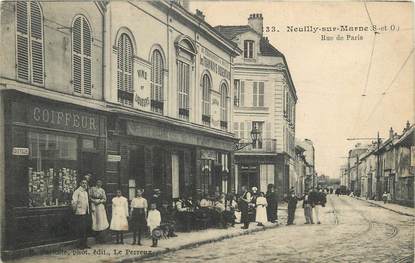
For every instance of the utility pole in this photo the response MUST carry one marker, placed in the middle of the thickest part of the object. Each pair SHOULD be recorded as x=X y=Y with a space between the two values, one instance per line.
x=378 y=185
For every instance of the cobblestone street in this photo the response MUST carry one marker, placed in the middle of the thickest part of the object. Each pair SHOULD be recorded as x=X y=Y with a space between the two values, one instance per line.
x=351 y=231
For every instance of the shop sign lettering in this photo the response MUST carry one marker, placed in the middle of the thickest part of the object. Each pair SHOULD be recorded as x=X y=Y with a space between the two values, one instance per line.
x=113 y=158
x=209 y=64
x=208 y=155
x=63 y=119
x=20 y=151
x=143 y=102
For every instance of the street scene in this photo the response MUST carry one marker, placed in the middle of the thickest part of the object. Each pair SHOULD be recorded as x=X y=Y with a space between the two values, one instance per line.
x=220 y=131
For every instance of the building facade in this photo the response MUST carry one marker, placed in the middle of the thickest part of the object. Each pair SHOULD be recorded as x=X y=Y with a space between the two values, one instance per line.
x=89 y=88
x=264 y=99
x=384 y=167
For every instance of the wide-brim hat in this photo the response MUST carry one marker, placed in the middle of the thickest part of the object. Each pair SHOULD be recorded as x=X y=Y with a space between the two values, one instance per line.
x=157 y=233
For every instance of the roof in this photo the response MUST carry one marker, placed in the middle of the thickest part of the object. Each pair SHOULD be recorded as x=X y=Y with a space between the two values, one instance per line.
x=266 y=48
x=230 y=32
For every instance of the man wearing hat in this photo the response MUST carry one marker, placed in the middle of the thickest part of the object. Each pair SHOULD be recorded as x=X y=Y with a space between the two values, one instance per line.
x=292 y=205
x=244 y=201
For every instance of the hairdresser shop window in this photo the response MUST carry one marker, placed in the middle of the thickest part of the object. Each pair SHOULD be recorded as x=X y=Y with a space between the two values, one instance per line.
x=52 y=170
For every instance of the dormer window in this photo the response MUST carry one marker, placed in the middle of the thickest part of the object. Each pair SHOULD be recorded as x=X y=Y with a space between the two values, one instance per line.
x=248 y=49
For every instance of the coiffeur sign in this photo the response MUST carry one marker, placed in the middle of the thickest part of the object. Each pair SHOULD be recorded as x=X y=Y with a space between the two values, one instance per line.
x=63 y=119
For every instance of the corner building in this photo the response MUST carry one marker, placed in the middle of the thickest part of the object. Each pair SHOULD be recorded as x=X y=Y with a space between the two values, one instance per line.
x=169 y=99
x=264 y=98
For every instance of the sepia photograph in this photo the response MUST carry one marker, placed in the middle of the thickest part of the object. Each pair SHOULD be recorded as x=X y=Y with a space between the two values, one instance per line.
x=207 y=131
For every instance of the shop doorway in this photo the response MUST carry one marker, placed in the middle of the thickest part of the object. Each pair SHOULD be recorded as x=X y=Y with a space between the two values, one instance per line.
x=250 y=179
x=91 y=163
x=136 y=168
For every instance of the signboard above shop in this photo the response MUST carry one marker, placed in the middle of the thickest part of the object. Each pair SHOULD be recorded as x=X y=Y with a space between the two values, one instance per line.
x=20 y=151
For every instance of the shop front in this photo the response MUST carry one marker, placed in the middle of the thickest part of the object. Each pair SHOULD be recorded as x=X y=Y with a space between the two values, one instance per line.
x=258 y=171
x=179 y=161
x=49 y=147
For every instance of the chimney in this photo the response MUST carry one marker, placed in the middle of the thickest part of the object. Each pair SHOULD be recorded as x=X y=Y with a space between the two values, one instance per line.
x=408 y=125
x=255 y=21
x=391 y=133
x=200 y=14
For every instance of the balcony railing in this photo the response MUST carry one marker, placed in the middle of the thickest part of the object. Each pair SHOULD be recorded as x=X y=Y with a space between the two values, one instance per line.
x=261 y=146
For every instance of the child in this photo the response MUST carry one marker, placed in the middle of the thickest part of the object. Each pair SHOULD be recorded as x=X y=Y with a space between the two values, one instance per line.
x=119 y=221
x=261 y=209
x=153 y=221
x=138 y=214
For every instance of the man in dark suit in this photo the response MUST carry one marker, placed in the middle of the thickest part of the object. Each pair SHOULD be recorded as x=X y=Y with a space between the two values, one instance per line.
x=292 y=206
x=244 y=201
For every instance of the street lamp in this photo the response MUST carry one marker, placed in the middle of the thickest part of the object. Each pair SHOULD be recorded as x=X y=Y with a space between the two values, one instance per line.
x=255 y=133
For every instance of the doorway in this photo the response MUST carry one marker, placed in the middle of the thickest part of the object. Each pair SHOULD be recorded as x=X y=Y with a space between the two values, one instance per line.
x=250 y=179
x=91 y=164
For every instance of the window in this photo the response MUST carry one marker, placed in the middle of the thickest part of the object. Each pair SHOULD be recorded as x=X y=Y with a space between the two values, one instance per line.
x=248 y=49
x=157 y=82
x=81 y=56
x=259 y=125
x=183 y=77
x=30 y=66
x=239 y=93
x=52 y=171
x=258 y=94
x=224 y=107
x=125 y=70
x=206 y=86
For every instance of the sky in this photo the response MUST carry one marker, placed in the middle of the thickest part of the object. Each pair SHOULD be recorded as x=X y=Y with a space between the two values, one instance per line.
x=330 y=77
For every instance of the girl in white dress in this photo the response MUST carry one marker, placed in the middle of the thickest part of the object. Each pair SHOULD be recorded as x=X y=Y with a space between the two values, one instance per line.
x=261 y=210
x=119 y=221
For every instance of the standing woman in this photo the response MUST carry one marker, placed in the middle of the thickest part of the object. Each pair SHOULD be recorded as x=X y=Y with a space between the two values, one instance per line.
x=99 y=214
x=138 y=216
x=272 y=200
x=261 y=209
x=119 y=221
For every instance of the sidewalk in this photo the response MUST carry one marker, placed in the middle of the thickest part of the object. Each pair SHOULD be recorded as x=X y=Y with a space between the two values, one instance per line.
x=403 y=210
x=130 y=253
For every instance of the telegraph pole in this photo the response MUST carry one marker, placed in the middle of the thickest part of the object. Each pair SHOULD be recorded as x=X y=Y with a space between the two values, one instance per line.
x=378 y=185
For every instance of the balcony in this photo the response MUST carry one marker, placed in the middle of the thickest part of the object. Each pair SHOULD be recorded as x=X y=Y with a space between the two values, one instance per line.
x=261 y=146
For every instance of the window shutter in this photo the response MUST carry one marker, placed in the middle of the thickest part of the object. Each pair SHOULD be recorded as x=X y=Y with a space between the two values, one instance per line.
x=76 y=53
x=242 y=130
x=268 y=136
x=255 y=94
x=87 y=43
x=37 y=43
x=248 y=130
x=22 y=40
x=261 y=94
x=236 y=129
x=129 y=64
x=120 y=65
x=22 y=57
x=87 y=76
x=242 y=102
x=77 y=73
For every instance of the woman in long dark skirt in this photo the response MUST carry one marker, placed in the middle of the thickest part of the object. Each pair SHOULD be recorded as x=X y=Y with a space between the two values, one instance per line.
x=138 y=221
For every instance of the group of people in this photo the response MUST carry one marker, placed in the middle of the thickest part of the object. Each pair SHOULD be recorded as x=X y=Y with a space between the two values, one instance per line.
x=258 y=206
x=90 y=202
x=160 y=218
x=312 y=201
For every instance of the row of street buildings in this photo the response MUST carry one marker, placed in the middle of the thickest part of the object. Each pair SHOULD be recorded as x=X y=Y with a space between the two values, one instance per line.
x=139 y=94
x=384 y=166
